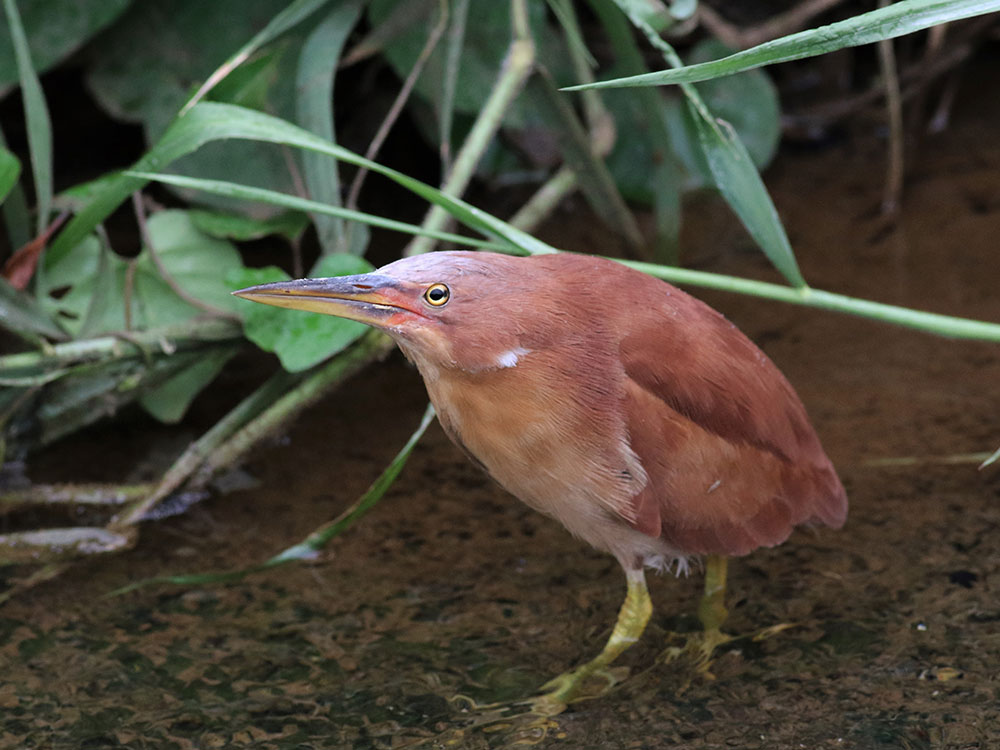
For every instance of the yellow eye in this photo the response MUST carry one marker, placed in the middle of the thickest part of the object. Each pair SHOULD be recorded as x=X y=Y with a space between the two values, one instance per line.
x=437 y=295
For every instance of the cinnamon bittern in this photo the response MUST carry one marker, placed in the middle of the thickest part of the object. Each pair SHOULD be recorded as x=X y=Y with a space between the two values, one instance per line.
x=632 y=413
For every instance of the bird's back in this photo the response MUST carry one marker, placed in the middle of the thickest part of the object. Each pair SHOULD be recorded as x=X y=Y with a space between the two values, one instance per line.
x=731 y=460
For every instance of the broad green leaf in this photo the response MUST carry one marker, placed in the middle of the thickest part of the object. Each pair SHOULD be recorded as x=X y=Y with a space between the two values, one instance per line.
x=10 y=170
x=314 y=112
x=36 y=116
x=54 y=29
x=196 y=262
x=288 y=224
x=897 y=19
x=170 y=401
x=300 y=339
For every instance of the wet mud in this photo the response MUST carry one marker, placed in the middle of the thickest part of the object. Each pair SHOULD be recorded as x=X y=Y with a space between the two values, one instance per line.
x=452 y=588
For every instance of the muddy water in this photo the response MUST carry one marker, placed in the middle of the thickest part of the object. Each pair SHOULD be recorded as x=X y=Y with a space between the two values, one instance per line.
x=451 y=587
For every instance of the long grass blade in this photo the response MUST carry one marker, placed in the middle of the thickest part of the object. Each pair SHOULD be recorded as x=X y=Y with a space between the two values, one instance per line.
x=36 y=114
x=730 y=164
x=898 y=19
x=274 y=198
x=10 y=170
x=309 y=547
x=314 y=112
x=212 y=121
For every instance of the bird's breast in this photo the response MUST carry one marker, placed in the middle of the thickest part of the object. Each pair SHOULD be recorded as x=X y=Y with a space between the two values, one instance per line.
x=543 y=444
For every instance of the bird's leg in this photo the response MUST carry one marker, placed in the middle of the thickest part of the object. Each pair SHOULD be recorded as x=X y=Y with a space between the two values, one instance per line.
x=632 y=619
x=712 y=609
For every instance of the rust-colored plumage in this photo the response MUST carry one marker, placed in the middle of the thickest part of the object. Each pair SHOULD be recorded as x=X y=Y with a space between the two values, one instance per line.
x=634 y=414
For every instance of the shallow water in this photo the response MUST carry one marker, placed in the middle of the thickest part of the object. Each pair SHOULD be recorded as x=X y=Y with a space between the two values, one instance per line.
x=451 y=587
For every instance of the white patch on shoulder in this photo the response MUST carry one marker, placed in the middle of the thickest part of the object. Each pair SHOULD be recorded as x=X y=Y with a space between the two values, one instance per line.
x=512 y=357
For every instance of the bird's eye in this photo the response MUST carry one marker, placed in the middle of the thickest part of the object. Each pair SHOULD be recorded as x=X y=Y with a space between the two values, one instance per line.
x=437 y=295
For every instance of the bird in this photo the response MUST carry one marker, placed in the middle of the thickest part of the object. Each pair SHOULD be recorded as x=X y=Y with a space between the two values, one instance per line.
x=627 y=410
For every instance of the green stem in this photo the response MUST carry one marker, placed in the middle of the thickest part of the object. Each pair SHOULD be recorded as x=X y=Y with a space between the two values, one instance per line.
x=943 y=325
x=516 y=68
x=318 y=384
x=188 y=335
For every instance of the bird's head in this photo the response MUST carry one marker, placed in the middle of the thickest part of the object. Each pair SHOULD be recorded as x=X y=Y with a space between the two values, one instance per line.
x=467 y=310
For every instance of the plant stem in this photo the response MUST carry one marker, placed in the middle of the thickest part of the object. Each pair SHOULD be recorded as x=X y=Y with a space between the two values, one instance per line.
x=942 y=325
x=517 y=66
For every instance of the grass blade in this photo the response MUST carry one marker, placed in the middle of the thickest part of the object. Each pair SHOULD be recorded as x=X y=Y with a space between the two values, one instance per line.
x=314 y=112
x=21 y=314
x=898 y=19
x=730 y=164
x=262 y=195
x=10 y=170
x=308 y=548
x=212 y=121
x=36 y=114
x=296 y=11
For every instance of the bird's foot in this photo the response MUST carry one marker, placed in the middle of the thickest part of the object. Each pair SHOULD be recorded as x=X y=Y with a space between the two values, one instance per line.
x=698 y=648
x=583 y=683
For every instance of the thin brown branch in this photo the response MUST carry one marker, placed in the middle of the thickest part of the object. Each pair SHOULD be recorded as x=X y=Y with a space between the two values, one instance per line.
x=894 y=106
x=794 y=19
x=147 y=240
x=401 y=98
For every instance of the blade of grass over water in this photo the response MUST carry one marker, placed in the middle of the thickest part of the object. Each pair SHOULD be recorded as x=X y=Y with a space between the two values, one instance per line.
x=900 y=18
x=262 y=195
x=309 y=547
x=36 y=115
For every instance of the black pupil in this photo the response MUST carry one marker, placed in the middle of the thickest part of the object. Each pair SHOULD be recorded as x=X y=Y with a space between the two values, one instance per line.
x=436 y=294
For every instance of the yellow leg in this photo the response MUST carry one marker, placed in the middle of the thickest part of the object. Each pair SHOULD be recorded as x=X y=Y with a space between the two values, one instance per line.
x=632 y=619
x=712 y=609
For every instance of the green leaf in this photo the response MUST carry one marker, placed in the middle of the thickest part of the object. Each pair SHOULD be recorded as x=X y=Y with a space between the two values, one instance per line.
x=10 y=170
x=314 y=112
x=54 y=29
x=244 y=192
x=21 y=313
x=196 y=262
x=300 y=339
x=15 y=210
x=170 y=401
x=897 y=19
x=288 y=224
x=36 y=115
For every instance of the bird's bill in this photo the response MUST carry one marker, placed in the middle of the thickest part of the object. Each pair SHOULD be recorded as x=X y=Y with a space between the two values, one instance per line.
x=369 y=298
